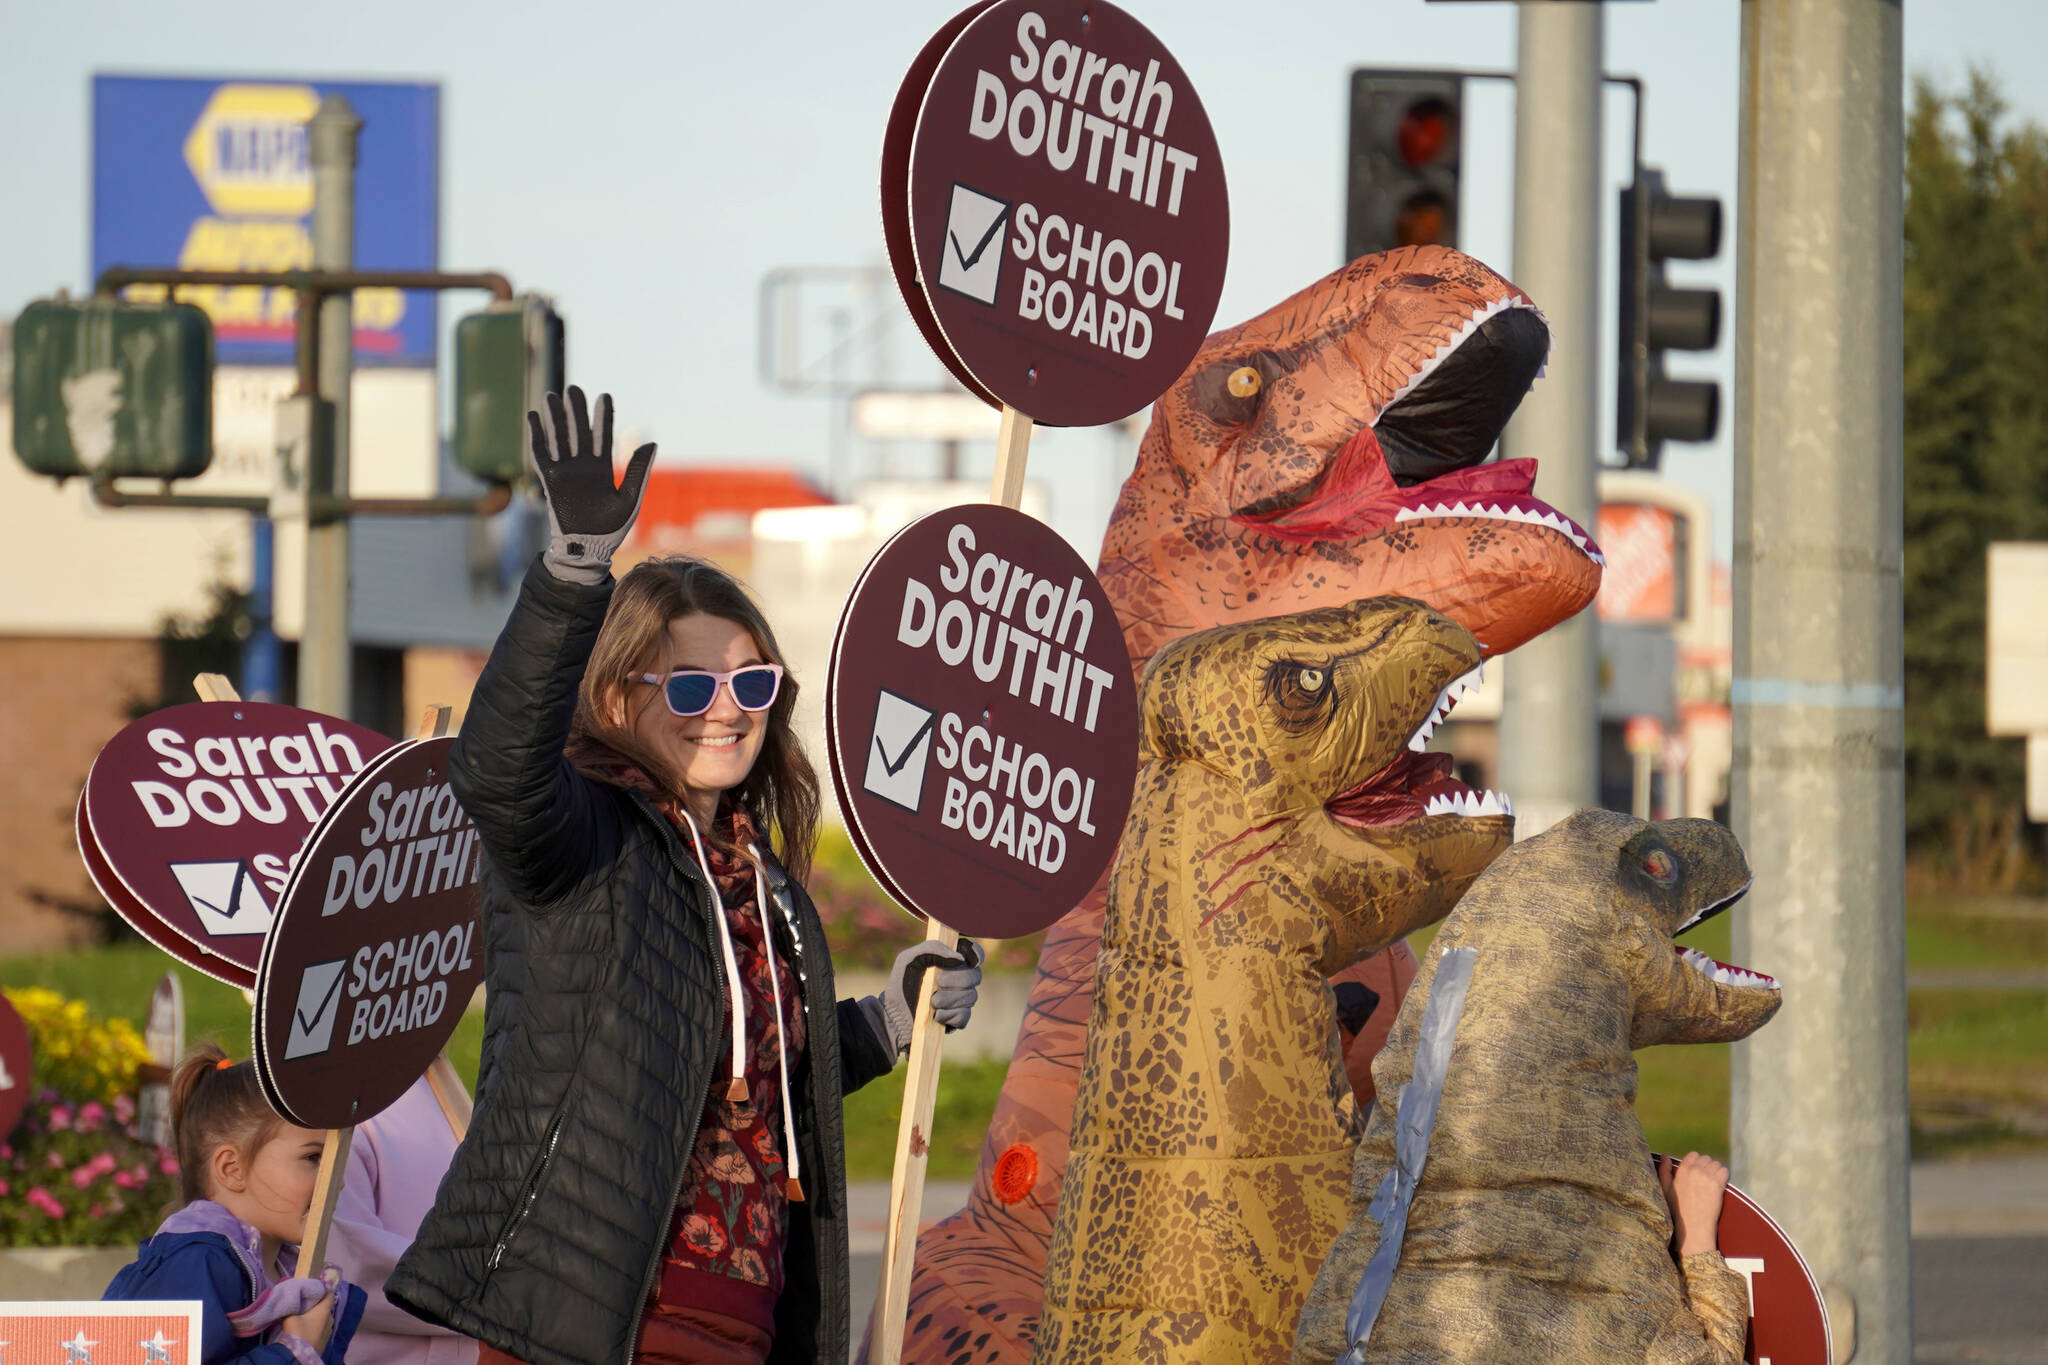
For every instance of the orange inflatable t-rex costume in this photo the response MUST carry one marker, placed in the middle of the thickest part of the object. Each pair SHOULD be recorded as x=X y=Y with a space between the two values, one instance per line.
x=1325 y=451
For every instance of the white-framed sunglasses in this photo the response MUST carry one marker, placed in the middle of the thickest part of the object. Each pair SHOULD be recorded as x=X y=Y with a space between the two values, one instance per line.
x=690 y=691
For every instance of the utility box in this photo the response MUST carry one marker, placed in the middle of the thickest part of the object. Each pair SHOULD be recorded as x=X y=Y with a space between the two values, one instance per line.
x=507 y=359
x=103 y=387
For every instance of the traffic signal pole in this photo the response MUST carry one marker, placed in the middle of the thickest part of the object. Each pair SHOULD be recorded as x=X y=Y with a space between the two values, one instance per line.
x=1819 y=1096
x=324 y=646
x=1550 y=728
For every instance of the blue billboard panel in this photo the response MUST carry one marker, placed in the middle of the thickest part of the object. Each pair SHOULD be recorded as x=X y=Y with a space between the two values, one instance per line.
x=216 y=175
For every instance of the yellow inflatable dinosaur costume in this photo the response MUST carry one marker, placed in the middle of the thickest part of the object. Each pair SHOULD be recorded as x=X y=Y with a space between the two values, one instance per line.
x=1285 y=824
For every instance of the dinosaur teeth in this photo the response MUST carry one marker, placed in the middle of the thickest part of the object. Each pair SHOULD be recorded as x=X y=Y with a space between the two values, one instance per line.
x=1723 y=974
x=1445 y=700
x=1528 y=516
x=1468 y=803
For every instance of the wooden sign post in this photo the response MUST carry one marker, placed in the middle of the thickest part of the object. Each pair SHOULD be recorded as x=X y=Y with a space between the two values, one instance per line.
x=921 y=1080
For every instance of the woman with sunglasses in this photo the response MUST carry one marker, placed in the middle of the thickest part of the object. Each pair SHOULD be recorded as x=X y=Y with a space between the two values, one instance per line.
x=655 y=1169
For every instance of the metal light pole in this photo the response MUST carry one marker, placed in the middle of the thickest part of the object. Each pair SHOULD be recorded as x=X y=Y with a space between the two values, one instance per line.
x=324 y=672
x=1819 y=1095
x=1550 y=725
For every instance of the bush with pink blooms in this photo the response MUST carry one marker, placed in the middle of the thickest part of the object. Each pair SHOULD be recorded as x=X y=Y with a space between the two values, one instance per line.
x=75 y=1171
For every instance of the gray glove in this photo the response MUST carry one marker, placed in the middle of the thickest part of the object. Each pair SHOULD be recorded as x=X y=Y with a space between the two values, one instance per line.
x=892 y=1013
x=588 y=515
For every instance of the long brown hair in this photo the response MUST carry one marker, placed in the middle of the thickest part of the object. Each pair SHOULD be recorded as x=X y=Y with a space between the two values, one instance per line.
x=780 y=795
x=214 y=1106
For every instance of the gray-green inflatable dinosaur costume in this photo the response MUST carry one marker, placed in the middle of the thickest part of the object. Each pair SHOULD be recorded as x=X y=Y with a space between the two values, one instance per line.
x=1536 y=1230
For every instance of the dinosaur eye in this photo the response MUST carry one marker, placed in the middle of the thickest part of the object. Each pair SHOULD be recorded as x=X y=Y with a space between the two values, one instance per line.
x=1245 y=382
x=1299 y=694
x=1661 y=867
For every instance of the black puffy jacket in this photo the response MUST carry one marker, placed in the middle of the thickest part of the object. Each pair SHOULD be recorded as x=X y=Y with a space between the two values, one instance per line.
x=605 y=1016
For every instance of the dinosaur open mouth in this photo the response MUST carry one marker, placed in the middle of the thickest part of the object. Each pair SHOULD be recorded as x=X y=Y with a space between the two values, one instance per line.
x=1424 y=457
x=1418 y=783
x=1721 y=973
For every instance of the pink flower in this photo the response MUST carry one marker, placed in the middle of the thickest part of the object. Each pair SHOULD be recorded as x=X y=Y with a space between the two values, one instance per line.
x=748 y=1265
x=43 y=1200
x=6 y=1151
x=96 y=1211
x=167 y=1161
x=124 y=1109
x=82 y=1176
x=60 y=1118
x=55 y=1161
x=90 y=1116
x=702 y=1235
x=3 y=1189
x=127 y=1180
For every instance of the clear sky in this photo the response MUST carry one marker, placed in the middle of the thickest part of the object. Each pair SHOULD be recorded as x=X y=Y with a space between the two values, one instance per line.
x=649 y=161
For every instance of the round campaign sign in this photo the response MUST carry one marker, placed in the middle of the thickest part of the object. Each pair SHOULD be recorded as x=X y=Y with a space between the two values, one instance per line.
x=17 y=1066
x=1788 y=1318
x=375 y=953
x=143 y=922
x=1068 y=222
x=982 y=722
x=200 y=809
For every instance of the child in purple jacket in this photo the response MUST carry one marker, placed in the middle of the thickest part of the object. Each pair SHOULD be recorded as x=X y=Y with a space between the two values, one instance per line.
x=247 y=1178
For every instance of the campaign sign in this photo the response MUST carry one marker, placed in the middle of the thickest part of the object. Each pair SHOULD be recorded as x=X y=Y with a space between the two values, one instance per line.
x=134 y=1333
x=145 y=923
x=1068 y=217
x=982 y=722
x=1788 y=1318
x=17 y=1066
x=217 y=174
x=200 y=809
x=375 y=953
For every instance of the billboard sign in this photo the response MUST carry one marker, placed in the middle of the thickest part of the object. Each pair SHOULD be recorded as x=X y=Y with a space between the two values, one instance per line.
x=215 y=174
x=1647 y=556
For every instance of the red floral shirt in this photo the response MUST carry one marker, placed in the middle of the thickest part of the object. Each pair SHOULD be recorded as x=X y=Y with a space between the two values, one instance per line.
x=726 y=1240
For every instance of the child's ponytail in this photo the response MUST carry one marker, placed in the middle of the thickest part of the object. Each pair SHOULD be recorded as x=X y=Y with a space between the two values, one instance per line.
x=215 y=1102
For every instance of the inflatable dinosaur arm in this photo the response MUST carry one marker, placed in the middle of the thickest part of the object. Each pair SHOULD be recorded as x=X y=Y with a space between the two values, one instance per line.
x=1712 y=1327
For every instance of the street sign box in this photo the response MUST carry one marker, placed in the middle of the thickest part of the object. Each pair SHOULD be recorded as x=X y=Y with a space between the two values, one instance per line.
x=214 y=174
x=102 y=387
x=200 y=810
x=982 y=721
x=1061 y=197
x=375 y=952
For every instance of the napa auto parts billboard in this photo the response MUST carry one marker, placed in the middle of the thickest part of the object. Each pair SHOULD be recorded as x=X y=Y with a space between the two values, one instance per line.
x=214 y=174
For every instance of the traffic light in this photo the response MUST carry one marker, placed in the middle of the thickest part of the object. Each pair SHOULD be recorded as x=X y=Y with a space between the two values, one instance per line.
x=507 y=358
x=1402 y=185
x=103 y=387
x=1649 y=408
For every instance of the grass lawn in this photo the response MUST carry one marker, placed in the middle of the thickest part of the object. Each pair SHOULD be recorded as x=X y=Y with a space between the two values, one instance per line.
x=1978 y=1059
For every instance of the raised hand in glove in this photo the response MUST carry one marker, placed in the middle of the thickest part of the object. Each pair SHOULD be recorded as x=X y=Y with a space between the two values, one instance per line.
x=589 y=513
x=892 y=1013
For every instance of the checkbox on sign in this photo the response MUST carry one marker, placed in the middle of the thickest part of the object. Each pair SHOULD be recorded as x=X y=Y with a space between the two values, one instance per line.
x=899 y=752
x=972 y=259
x=319 y=1005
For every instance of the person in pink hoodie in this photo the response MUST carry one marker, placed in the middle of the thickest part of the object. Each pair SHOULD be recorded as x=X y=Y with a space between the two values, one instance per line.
x=394 y=1166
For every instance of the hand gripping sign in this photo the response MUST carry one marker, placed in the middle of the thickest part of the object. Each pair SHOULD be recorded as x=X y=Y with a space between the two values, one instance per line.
x=1788 y=1317
x=192 y=816
x=374 y=956
x=1055 y=209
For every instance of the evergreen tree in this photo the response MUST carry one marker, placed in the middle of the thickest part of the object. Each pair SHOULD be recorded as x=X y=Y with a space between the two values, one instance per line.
x=1976 y=415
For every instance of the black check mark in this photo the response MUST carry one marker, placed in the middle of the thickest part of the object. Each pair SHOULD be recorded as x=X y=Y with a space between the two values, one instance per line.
x=908 y=749
x=967 y=260
x=234 y=895
x=299 y=1015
